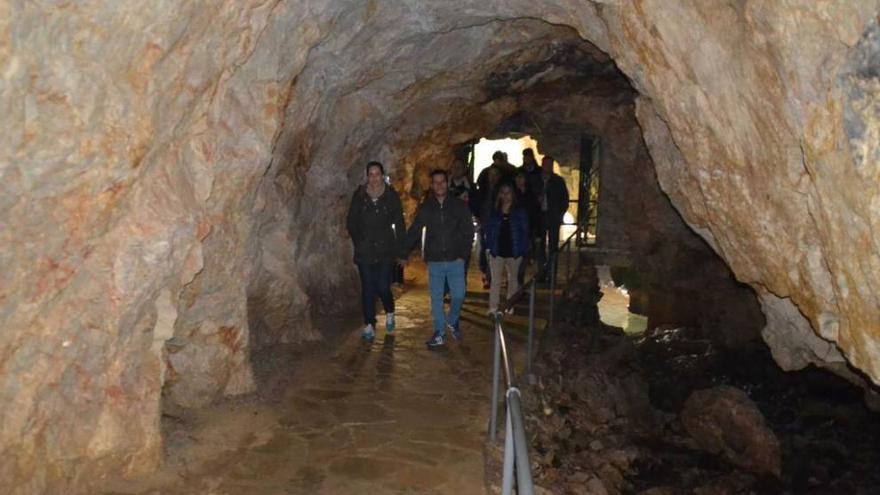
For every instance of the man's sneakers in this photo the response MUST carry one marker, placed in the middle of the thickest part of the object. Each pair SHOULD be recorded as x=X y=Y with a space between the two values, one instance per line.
x=389 y=323
x=455 y=330
x=435 y=341
x=369 y=333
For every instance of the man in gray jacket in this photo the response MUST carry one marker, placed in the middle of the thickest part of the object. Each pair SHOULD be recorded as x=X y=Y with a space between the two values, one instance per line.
x=448 y=239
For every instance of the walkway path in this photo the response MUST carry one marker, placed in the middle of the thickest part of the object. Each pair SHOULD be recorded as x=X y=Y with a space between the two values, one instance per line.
x=391 y=417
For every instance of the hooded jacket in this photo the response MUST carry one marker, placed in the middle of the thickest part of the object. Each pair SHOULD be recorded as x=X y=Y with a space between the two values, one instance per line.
x=376 y=227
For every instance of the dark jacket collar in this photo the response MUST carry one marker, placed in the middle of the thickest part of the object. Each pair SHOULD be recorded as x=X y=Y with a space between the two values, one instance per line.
x=363 y=191
x=436 y=202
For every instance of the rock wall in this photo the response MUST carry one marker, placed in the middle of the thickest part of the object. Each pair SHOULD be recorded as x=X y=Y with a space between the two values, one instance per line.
x=173 y=180
x=128 y=185
x=751 y=146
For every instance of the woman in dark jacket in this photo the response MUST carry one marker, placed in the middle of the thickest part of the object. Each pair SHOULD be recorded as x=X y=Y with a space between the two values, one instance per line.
x=375 y=224
x=507 y=240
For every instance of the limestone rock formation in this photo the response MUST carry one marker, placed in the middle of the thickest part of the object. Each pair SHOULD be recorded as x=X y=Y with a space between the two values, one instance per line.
x=177 y=174
x=723 y=420
x=790 y=211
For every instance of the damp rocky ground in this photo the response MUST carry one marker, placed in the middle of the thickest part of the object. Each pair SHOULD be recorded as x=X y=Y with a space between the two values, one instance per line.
x=670 y=412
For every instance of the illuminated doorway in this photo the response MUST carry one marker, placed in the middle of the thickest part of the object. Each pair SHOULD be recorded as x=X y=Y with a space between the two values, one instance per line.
x=513 y=147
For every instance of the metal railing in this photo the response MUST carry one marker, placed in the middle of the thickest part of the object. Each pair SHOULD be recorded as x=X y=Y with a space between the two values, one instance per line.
x=516 y=448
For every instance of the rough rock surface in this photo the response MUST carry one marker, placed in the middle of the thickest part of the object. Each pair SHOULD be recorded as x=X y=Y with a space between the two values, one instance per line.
x=723 y=420
x=178 y=173
x=754 y=151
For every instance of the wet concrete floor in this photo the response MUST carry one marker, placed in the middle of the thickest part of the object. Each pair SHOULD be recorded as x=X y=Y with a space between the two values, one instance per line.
x=352 y=418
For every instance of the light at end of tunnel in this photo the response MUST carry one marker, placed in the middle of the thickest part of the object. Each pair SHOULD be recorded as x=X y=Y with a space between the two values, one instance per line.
x=512 y=146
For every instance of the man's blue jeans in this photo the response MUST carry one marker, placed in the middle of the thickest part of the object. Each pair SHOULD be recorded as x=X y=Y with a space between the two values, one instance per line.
x=441 y=273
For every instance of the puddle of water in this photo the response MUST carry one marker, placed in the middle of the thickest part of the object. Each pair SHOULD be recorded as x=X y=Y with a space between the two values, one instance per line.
x=614 y=305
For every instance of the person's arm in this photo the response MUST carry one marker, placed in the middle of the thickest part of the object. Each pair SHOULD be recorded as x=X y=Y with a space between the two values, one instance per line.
x=524 y=226
x=414 y=233
x=399 y=226
x=482 y=179
x=466 y=227
x=564 y=193
x=353 y=221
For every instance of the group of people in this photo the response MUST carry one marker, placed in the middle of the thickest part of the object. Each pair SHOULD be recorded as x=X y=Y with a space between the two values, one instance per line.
x=519 y=211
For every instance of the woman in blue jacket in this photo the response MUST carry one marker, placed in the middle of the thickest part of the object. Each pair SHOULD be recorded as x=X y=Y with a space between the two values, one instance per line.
x=507 y=239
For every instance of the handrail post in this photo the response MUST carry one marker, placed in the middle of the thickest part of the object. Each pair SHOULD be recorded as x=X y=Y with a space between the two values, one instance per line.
x=553 y=260
x=524 y=484
x=509 y=452
x=531 y=328
x=506 y=359
x=568 y=265
x=496 y=376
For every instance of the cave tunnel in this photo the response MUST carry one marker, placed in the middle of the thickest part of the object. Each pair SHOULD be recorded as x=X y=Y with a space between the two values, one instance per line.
x=180 y=310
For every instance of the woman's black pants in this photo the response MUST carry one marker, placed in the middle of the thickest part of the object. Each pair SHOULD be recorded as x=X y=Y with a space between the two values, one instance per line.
x=376 y=281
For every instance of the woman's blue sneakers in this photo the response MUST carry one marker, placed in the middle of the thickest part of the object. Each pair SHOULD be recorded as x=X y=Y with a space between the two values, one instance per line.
x=389 y=322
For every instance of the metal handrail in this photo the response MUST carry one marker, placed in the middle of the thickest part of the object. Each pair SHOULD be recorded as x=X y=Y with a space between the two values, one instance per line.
x=516 y=451
x=510 y=301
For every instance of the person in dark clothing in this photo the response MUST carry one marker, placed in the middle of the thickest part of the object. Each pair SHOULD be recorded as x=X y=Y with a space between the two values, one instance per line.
x=499 y=158
x=525 y=199
x=530 y=166
x=449 y=232
x=459 y=184
x=553 y=203
x=501 y=165
x=460 y=187
x=486 y=197
x=507 y=240
x=532 y=173
x=375 y=224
